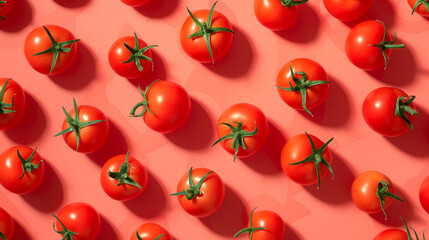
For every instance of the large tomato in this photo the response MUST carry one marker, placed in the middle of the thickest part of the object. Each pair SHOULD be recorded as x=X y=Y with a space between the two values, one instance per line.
x=419 y=6
x=277 y=15
x=200 y=192
x=306 y=159
x=347 y=10
x=303 y=84
x=135 y=3
x=369 y=46
x=21 y=169
x=389 y=111
x=12 y=103
x=206 y=36
x=5 y=7
x=167 y=106
x=123 y=177
x=85 y=128
x=264 y=225
x=50 y=49
x=151 y=231
x=6 y=225
x=424 y=194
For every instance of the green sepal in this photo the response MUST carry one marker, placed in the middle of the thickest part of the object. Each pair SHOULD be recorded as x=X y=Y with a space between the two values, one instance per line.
x=418 y=2
x=123 y=175
x=383 y=192
x=291 y=3
x=4 y=105
x=157 y=238
x=137 y=53
x=27 y=165
x=2 y=236
x=67 y=234
x=403 y=107
x=1 y=2
x=415 y=233
x=250 y=229
x=144 y=103
x=193 y=190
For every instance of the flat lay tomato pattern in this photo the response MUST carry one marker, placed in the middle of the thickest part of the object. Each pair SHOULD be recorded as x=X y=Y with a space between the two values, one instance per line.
x=271 y=119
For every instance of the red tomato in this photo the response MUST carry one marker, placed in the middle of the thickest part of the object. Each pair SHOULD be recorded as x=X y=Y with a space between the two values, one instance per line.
x=306 y=159
x=123 y=177
x=309 y=81
x=277 y=15
x=392 y=234
x=419 y=6
x=6 y=225
x=135 y=3
x=50 y=56
x=131 y=57
x=167 y=106
x=200 y=192
x=347 y=10
x=5 y=7
x=12 y=103
x=368 y=45
x=150 y=231
x=424 y=194
x=21 y=169
x=86 y=133
x=264 y=225
x=204 y=38
x=389 y=111
x=79 y=221
x=242 y=130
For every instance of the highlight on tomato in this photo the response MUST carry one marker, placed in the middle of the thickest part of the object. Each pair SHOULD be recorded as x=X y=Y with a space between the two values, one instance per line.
x=398 y=234
x=264 y=225
x=200 y=192
x=303 y=84
x=5 y=7
x=277 y=15
x=21 y=169
x=347 y=10
x=136 y=3
x=369 y=46
x=424 y=194
x=419 y=6
x=50 y=49
x=85 y=128
x=166 y=106
x=7 y=225
x=206 y=36
x=151 y=231
x=12 y=103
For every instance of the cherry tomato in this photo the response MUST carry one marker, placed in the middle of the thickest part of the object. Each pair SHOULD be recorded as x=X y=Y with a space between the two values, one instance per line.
x=12 y=103
x=347 y=10
x=397 y=234
x=150 y=231
x=264 y=225
x=200 y=192
x=309 y=81
x=424 y=194
x=6 y=225
x=5 y=7
x=419 y=6
x=135 y=3
x=389 y=111
x=167 y=106
x=277 y=15
x=123 y=177
x=204 y=38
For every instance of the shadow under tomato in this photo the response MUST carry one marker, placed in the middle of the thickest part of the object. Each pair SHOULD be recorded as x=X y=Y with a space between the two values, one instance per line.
x=19 y=232
x=158 y=8
x=72 y=4
x=107 y=230
x=291 y=234
x=380 y=9
x=19 y=17
x=159 y=72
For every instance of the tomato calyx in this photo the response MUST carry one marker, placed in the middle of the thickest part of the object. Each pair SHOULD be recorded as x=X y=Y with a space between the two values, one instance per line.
x=4 y=105
x=193 y=190
x=67 y=234
x=123 y=175
x=27 y=165
x=137 y=53
x=237 y=135
x=418 y=2
x=403 y=107
x=291 y=3
x=250 y=229
x=56 y=48
x=2 y=236
x=75 y=124
x=144 y=103
x=206 y=29
x=157 y=238
x=2 y=2
x=383 y=192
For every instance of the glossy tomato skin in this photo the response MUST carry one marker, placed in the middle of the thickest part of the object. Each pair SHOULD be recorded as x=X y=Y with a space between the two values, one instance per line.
x=91 y=137
x=13 y=90
x=316 y=95
x=38 y=41
x=11 y=170
x=273 y=15
x=347 y=10
x=392 y=234
x=424 y=194
x=297 y=149
x=357 y=45
x=124 y=192
x=378 y=110
x=5 y=8
x=150 y=231
x=80 y=218
x=421 y=9
x=136 y=3
x=211 y=199
x=196 y=48
x=270 y=220
x=7 y=225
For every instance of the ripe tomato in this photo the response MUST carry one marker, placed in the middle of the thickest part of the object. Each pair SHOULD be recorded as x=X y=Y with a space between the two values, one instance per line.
x=167 y=106
x=306 y=159
x=200 y=192
x=373 y=192
x=123 y=177
x=87 y=132
x=21 y=169
x=397 y=234
x=264 y=225
x=347 y=10
x=424 y=194
x=78 y=221
x=419 y=6
x=6 y=225
x=135 y=3
x=389 y=111
x=249 y=134
x=206 y=36
x=12 y=103
x=309 y=83
x=151 y=231
x=50 y=49
x=368 y=46
x=5 y=7
x=131 y=62
x=277 y=15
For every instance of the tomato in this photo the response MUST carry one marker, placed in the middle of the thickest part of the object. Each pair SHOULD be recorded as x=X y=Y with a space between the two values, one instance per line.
x=21 y=169
x=50 y=49
x=206 y=36
x=78 y=221
x=5 y=7
x=347 y=10
x=135 y=3
x=389 y=111
x=6 y=225
x=200 y=192
x=151 y=231
x=12 y=103
x=419 y=6
x=167 y=106
x=368 y=45
x=397 y=234
x=306 y=159
x=123 y=177
x=277 y=15
x=424 y=194
x=131 y=62
x=87 y=132
x=310 y=85
x=264 y=225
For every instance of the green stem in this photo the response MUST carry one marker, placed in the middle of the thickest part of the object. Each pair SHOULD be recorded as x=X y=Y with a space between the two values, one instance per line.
x=383 y=192
x=403 y=107
x=137 y=54
x=123 y=176
x=144 y=103
x=27 y=165
x=193 y=190
x=3 y=105
x=67 y=234
x=418 y=2
x=250 y=229
x=291 y=3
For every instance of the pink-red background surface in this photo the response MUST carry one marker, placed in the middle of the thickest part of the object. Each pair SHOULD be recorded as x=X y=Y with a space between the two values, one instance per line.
x=246 y=74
